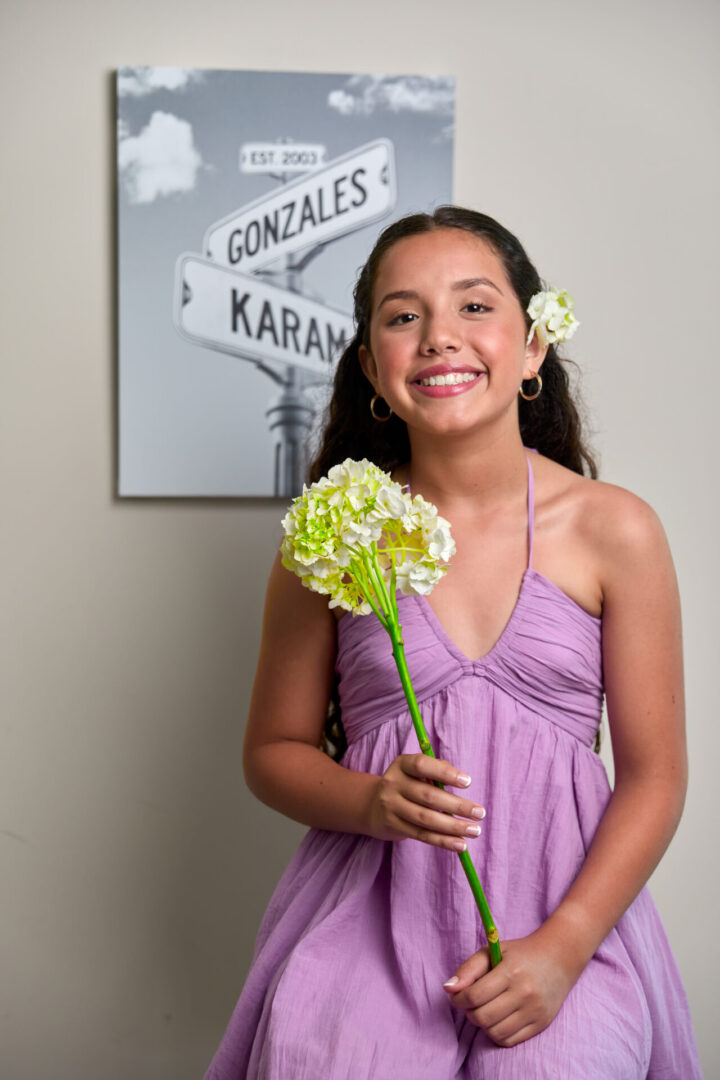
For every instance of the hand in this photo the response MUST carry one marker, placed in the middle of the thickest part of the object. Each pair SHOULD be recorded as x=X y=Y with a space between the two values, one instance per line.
x=522 y=995
x=406 y=803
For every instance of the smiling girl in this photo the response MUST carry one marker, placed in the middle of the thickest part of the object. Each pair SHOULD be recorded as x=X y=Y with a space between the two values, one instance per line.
x=371 y=961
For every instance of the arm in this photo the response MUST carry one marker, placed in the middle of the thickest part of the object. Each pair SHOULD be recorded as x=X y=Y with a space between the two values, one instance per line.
x=283 y=764
x=642 y=660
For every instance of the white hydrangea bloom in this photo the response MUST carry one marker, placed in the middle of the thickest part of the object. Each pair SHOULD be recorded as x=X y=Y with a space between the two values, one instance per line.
x=357 y=516
x=418 y=577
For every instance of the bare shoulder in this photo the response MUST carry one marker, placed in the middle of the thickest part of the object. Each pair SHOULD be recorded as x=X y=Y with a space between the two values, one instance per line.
x=612 y=532
x=624 y=527
x=611 y=513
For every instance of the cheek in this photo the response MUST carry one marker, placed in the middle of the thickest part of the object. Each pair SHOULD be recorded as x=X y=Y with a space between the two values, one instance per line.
x=505 y=345
x=392 y=361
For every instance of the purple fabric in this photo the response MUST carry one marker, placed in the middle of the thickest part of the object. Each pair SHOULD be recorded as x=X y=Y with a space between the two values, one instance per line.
x=360 y=934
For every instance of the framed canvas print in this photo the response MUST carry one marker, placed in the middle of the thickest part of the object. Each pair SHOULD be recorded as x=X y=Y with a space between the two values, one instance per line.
x=247 y=201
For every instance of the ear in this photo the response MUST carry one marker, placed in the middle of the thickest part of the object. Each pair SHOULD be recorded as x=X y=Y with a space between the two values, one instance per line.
x=534 y=356
x=368 y=365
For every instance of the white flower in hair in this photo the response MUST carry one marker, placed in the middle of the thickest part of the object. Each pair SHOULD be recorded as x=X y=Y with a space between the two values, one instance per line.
x=552 y=315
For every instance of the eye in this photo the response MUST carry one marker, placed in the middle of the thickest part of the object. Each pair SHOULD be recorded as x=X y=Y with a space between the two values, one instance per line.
x=476 y=307
x=402 y=319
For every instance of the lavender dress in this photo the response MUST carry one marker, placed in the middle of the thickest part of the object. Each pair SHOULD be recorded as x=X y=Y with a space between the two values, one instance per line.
x=360 y=934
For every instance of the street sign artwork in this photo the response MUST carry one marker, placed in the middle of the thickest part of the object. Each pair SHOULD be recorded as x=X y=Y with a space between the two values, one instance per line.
x=247 y=203
x=247 y=317
x=345 y=194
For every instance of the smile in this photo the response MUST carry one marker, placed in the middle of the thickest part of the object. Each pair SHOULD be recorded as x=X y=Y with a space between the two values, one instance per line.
x=451 y=379
x=448 y=385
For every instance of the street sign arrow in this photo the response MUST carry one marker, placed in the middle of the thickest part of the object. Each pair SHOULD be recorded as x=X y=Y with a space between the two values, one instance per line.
x=246 y=316
x=337 y=198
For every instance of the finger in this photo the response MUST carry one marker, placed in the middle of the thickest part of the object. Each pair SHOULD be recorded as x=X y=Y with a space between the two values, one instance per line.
x=424 y=821
x=428 y=795
x=405 y=819
x=424 y=767
x=508 y=1033
x=443 y=824
x=483 y=990
x=469 y=972
x=417 y=824
x=496 y=1013
x=470 y=993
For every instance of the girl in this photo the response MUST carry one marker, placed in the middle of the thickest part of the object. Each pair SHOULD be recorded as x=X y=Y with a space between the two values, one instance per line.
x=371 y=962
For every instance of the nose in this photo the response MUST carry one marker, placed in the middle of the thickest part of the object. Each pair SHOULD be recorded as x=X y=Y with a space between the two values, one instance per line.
x=440 y=336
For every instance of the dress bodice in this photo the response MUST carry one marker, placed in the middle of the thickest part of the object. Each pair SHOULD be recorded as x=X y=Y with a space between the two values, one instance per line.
x=548 y=658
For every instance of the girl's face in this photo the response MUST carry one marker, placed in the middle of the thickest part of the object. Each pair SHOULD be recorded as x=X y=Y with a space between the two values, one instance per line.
x=444 y=310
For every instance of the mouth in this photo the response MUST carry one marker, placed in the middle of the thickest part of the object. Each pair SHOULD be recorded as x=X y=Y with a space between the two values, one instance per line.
x=447 y=383
x=452 y=378
x=447 y=374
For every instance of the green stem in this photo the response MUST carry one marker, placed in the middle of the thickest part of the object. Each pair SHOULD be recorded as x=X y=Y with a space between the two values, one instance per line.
x=368 y=575
x=389 y=601
x=395 y=631
x=360 y=575
x=376 y=580
x=393 y=587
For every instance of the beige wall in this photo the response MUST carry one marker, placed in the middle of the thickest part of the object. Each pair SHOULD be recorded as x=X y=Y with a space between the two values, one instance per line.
x=135 y=867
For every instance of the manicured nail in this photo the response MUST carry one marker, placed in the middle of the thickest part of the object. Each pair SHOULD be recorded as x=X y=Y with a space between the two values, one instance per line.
x=451 y=982
x=459 y=845
x=463 y=779
x=478 y=812
x=473 y=830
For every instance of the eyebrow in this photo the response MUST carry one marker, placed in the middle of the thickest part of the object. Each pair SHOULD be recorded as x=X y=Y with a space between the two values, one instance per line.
x=457 y=286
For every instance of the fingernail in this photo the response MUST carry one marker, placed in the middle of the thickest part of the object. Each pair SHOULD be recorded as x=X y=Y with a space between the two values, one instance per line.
x=451 y=982
x=459 y=845
x=463 y=779
x=473 y=830
x=478 y=811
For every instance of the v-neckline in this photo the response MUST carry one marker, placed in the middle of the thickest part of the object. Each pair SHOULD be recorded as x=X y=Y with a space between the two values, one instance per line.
x=440 y=631
x=429 y=611
x=530 y=575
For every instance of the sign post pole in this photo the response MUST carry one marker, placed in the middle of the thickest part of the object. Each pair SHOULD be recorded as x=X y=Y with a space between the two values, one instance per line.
x=290 y=417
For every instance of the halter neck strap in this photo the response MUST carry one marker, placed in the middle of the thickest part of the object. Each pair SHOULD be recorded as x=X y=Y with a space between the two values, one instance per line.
x=530 y=511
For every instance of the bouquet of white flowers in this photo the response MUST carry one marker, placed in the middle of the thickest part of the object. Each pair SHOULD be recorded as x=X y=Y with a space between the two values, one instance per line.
x=357 y=537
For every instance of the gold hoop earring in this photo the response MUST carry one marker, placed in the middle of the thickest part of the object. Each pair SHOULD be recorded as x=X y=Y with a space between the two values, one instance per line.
x=531 y=397
x=381 y=419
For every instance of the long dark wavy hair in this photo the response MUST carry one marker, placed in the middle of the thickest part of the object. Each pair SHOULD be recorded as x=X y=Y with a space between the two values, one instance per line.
x=551 y=423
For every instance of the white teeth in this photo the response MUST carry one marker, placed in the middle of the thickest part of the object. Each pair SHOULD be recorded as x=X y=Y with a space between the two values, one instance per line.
x=451 y=379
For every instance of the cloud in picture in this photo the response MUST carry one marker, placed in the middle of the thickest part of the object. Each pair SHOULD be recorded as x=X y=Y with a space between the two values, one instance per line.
x=140 y=81
x=361 y=95
x=161 y=160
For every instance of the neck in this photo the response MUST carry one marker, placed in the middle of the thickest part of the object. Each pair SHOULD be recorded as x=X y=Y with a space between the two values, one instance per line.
x=458 y=473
